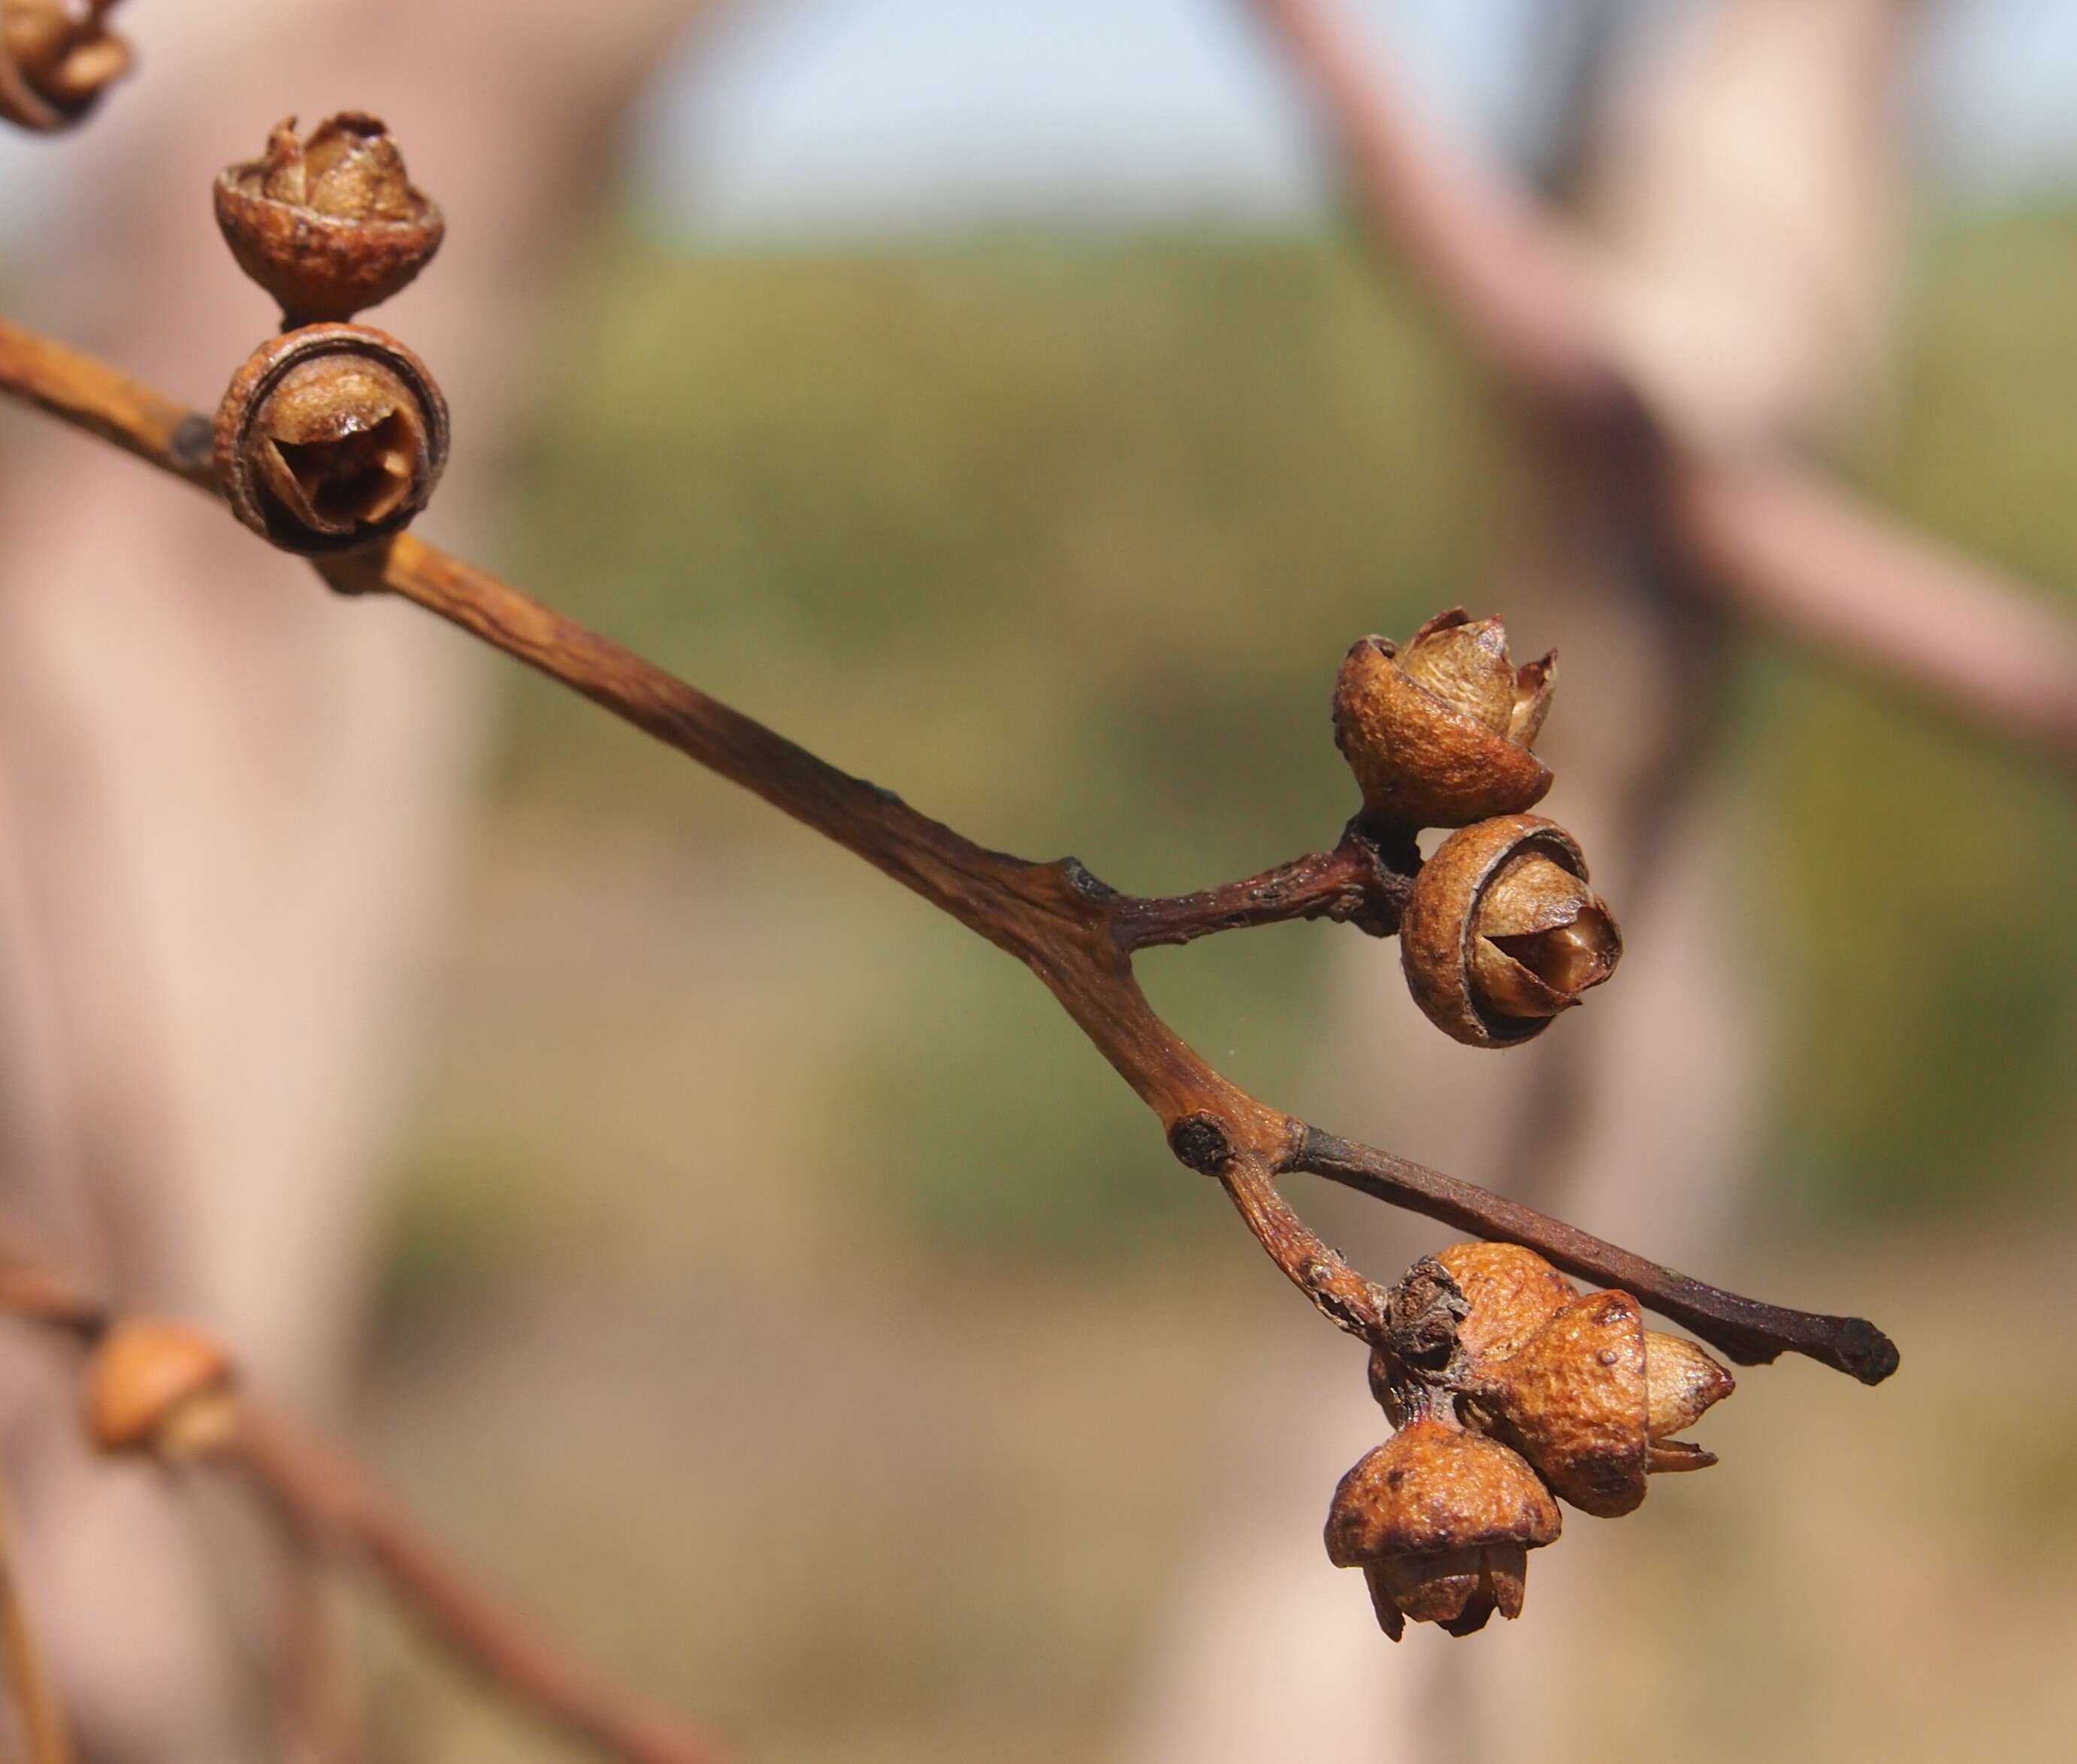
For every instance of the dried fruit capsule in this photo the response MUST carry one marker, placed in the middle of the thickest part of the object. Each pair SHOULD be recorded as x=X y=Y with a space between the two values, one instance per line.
x=1438 y=733
x=159 y=1388
x=331 y=226
x=1681 y=1383
x=329 y=437
x=1583 y=1403
x=1573 y=1382
x=1509 y=1294
x=56 y=58
x=1500 y=931
x=1441 y=1522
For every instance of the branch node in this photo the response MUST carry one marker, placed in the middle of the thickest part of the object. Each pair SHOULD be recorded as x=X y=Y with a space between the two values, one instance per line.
x=1085 y=882
x=1201 y=1142
x=193 y=446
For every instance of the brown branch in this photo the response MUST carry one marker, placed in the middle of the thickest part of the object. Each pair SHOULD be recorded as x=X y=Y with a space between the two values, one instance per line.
x=104 y=401
x=33 y=1288
x=1773 y=540
x=1750 y=1332
x=1055 y=917
x=1338 y=1293
x=317 y=1719
x=1355 y=883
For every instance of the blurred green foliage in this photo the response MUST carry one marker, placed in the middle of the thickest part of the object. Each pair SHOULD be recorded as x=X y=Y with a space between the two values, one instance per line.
x=1932 y=971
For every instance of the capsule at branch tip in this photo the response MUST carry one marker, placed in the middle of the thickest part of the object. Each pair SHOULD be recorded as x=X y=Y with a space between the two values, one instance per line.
x=1439 y=732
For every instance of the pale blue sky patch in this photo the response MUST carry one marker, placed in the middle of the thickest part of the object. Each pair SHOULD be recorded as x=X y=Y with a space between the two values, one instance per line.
x=860 y=116
x=857 y=119
x=854 y=119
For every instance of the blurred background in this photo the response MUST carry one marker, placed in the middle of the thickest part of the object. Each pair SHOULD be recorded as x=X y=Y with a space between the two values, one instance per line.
x=996 y=399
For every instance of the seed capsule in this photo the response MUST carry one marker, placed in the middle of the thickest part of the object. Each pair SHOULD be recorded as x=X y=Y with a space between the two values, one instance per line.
x=1509 y=1294
x=1584 y=1403
x=1501 y=933
x=1441 y=1522
x=331 y=226
x=1438 y=733
x=56 y=58
x=159 y=1388
x=331 y=437
x=1681 y=1383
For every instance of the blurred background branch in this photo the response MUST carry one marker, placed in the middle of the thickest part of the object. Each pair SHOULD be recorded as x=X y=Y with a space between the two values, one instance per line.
x=330 y=1509
x=1770 y=536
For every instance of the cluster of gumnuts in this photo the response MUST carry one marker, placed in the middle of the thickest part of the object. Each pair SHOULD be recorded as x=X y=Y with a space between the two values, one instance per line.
x=333 y=435
x=1500 y=931
x=1511 y=1390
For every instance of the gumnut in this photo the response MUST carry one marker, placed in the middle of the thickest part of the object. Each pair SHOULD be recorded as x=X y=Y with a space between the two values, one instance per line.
x=328 y=225
x=159 y=1388
x=329 y=437
x=1593 y=1399
x=1500 y=932
x=1441 y=1521
x=56 y=58
x=1438 y=732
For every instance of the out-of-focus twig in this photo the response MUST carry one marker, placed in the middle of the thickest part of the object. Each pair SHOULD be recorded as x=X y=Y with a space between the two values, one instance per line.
x=1789 y=546
x=343 y=1513
x=318 y=1720
x=1494 y=261
x=1770 y=537
x=338 y=1511
x=33 y=1287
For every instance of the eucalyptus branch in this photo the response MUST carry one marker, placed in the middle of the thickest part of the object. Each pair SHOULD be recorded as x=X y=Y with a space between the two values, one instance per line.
x=1356 y=884
x=1076 y=934
x=1747 y=1330
x=1769 y=537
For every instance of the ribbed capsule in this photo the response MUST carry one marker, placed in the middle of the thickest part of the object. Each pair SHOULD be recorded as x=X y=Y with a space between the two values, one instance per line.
x=1681 y=1384
x=1441 y=1522
x=1439 y=732
x=1592 y=1399
x=1501 y=933
x=329 y=438
x=330 y=225
x=1509 y=1294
